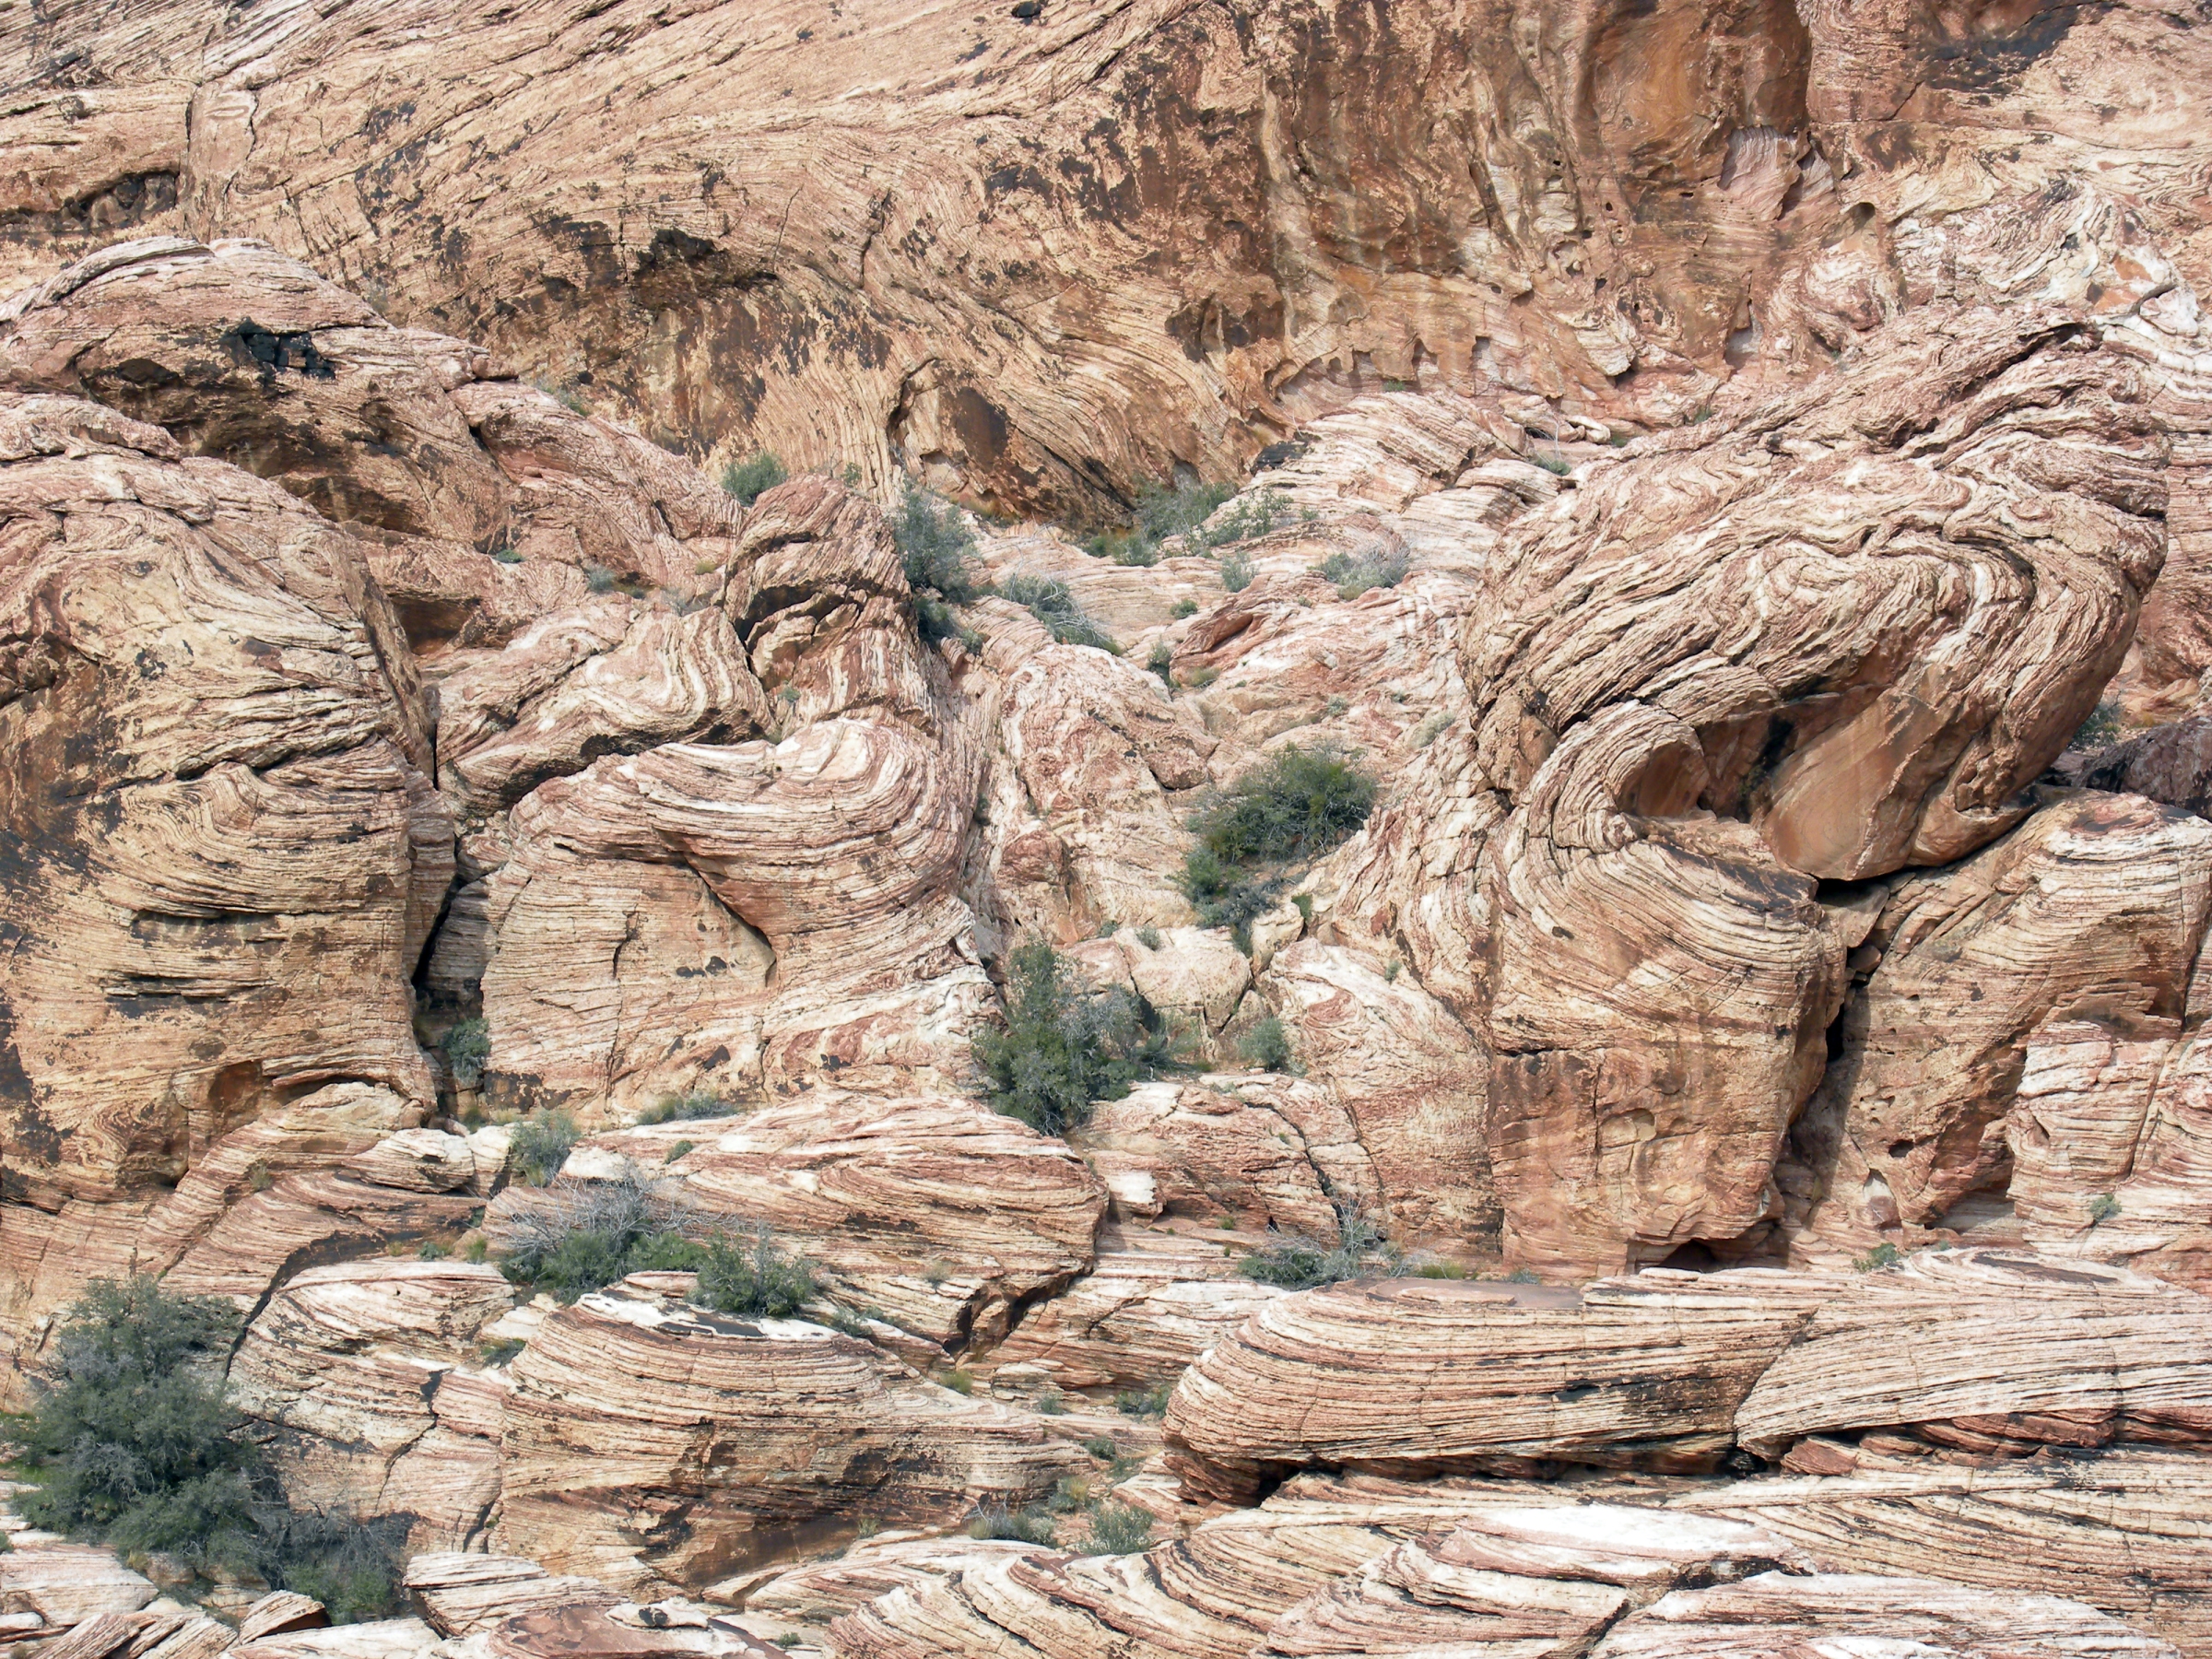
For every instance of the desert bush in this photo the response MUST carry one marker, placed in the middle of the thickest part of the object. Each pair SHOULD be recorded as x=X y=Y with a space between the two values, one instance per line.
x=1297 y=803
x=1266 y=1045
x=542 y=1143
x=1032 y=1525
x=584 y=1235
x=1053 y=603
x=1354 y=573
x=1063 y=1046
x=352 y=1566
x=599 y=579
x=938 y=549
x=2103 y=1208
x=1236 y=572
x=1102 y=1447
x=1299 y=1263
x=1144 y=1402
x=2099 y=729
x=1884 y=1255
x=746 y=1272
x=1253 y=516
x=683 y=1108
x=1150 y=937
x=1161 y=660
x=1119 y=1529
x=130 y=1438
x=1163 y=511
x=467 y=1047
x=751 y=479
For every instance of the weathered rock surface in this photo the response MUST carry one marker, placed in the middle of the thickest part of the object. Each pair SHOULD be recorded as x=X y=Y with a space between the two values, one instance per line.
x=938 y=1213
x=1268 y=1151
x=2095 y=909
x=647 y=1444
x=1979 y=1349
x=367 y=1370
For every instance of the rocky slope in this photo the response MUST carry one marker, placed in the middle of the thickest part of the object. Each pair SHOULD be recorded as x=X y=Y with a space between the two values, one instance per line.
x=1717 y=468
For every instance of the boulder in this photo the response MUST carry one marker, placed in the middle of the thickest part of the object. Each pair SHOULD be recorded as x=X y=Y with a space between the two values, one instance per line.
x=648 y=1444
x=2095 y=909
x=1223 y=1147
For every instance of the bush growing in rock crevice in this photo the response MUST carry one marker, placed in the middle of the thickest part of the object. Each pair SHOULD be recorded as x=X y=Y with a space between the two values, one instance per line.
x=1297 y=804
x=541 y=1144
x=1298 y=1263
x=753 y=477
x=1063 y=1046
x=132 y=1442
x=938 y=549
x=1052 y=603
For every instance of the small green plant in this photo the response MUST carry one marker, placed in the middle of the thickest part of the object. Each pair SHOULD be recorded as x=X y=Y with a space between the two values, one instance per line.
x=1163 y=511
x=352 y=1566
x=868 y=1528
x=938 y=549
x=541 y=1144
x=1148 y=936
x=2103 y=1208
x=1198 y=679
x=678 y=1150
x=1391 y=969
x=1431 y=723
x=1119 y=1529
x=1297 y=803
x=1144 y=1402
x=1101 y=1447
x=705 y=567
x=132 y=1444
x=1052 y=1403
x=936 y=1273
x=1053 y=603
x=567 y=397
x=1266 y=1046
x=1161 y=660
x=746 y=1272
x=1253 y=516
x=466 y=1049
x=1032 y=1525
x=1884 y=1255
x=1185 y=607
x=1299 y=1263
x=505 y=554
x=2099 y=729
x=478 y=1248
x=1070 y=1493
x=1337 y=707
x=1523 y=1275
x=1062 y=1046
x=751 y=479
x=1355 y=573
x=1227 y=1223
x=959 y=1381
x=1553 y=462
x=684 y=1107
x=1439 y=1270
x=258 y=1179
x=1236 y=572
x=499 y=1353
x=432 y=1251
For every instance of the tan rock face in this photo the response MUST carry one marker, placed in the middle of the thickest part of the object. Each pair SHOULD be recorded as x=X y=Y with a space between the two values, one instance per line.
x=2096 y=908
x=226 y=855
x=940 y=1214
x=644 y=1444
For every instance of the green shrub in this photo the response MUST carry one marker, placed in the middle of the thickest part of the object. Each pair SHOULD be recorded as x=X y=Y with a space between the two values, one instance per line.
x=1163 y=511
x=467 y=1047
x=599 y=579
x=1052 y=603
x=1523 y=1275
x=1266 y=1045
x=684 y=1107
x=1101 y=1447
x=1150 y=937
x=130 y=1436
x=1236 y=572
x=587 y=1234
x=1050 y=1403
x=352 y=1566
x=1884 y=1255
x=1144 y=1402
x=1032 y=1525
x=1354 y=573
x=2103 y=1208
x=1433 y=723
x=1185 y=607
x=1252 y=517
x=938 y=549
x=1298 y=1263
x=747 y=1273
x=542 y=1143
x=748 y=480
x=2099 y=729
x=1297 y=803
x=505 y=554
x=678 y=1150
x=1553 y=462
x=1439 y=1270
x=1119 y=1529
x=1161 y=660
x=1063 y=1047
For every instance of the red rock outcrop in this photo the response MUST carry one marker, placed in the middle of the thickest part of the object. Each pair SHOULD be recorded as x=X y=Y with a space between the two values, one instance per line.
x=940 y=1214
x=645 y=1443
x=1981 y=1350
x=2096 y=908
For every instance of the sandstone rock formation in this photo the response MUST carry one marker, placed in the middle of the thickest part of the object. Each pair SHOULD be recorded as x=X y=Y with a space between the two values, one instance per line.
x=1668 y=1371
x=937 y=1215
x=646 y=1444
